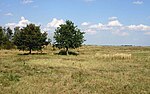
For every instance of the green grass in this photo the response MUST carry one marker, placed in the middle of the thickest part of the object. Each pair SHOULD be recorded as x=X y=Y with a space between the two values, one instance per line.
x=96 y=70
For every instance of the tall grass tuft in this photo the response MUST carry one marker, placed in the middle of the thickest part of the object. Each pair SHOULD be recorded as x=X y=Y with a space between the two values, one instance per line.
x=115 y=56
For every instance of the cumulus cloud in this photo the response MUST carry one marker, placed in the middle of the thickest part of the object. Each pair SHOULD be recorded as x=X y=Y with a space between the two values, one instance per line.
x=114 y=23
x=27 y=1
x=140 y=27
x=9 y=14
x=115 y=27
x=22 y=23
x=99 y=26
x=89 y=31
x=138 y=2
x=54 y=24
x=11 y=25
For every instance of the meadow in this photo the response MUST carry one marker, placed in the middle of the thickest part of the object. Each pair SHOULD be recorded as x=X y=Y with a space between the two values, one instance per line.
x=96 y=70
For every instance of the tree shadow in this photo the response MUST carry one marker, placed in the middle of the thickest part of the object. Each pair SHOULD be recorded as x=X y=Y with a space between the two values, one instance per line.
x=33 y=54
x=63 y=52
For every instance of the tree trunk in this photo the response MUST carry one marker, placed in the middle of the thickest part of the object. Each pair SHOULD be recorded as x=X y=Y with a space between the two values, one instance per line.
x=67 y=51
x=30 y=50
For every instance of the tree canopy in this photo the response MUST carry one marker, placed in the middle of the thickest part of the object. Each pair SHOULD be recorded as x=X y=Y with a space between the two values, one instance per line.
x=6 y=35
x=68 y=36
x=29 y=38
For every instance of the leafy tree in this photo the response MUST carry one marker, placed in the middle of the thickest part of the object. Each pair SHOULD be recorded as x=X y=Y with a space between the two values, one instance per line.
x=1 y=36
x=29 y=38
x=68 y=36
x=9 y=34
x=6 y=38
x=49 y=41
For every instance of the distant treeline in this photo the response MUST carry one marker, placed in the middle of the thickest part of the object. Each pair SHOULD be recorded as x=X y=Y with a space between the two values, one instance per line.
x=31 y=38
x=11 y=39
x=127 y=45
x=6 y=38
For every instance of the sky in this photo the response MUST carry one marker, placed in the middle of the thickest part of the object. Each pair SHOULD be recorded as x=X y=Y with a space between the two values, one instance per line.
x=105 y=22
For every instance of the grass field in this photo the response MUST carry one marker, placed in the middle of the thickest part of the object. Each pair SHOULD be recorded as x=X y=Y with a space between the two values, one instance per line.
x=96 y=70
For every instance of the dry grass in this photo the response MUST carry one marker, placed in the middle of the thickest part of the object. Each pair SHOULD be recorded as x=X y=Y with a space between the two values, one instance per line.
x=97 y=70
x=114 y=56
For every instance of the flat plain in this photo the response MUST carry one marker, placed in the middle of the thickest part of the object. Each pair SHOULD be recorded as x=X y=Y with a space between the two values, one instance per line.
x=96 y=70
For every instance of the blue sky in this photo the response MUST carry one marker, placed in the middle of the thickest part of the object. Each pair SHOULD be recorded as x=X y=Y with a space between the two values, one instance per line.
x=106 y=22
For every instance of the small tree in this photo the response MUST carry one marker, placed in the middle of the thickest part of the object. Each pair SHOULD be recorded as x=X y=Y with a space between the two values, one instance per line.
x=6 y=38
x=68 y=36
x=29 y=38
x=1 y=36
x=9 y=34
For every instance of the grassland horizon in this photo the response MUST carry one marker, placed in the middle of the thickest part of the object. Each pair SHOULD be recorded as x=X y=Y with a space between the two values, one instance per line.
x=96 y=70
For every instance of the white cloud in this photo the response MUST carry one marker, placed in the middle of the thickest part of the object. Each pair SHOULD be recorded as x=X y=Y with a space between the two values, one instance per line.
x=99 y=26
x=54 y=24
x=114 y=23
x=140 y=27
x=9 y=14
x=23 y=22
x=89 y=31
x=115 y=27
x=11 y=25
x=113 y=18
x=27 y=1
x=85 y=24
x=138 y=2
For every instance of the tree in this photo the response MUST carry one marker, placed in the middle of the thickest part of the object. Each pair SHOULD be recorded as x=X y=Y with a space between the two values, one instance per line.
x=68 y=36
x=6 y=38
x=29 y=38
x=1 y=36
x=9 y=34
